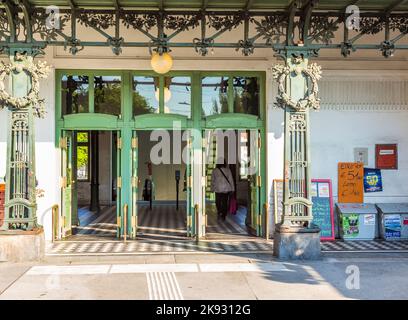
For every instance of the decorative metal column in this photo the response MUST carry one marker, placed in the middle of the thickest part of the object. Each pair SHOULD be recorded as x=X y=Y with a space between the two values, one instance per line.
x=297 y=94
x=24 y=104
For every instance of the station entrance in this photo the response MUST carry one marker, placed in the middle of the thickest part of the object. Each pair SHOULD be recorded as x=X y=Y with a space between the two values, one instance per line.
x=164 y=191
x=89 y=184
x=237 y=152
x=138 y=154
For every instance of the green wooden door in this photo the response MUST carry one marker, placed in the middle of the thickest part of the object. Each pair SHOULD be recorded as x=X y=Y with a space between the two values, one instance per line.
x=255 y=182
x=69 y=205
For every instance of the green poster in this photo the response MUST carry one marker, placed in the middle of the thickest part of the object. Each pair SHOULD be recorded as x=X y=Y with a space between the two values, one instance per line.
x=350 y=225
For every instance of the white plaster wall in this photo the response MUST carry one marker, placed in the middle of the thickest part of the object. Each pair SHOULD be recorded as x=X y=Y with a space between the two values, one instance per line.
x=336 y=133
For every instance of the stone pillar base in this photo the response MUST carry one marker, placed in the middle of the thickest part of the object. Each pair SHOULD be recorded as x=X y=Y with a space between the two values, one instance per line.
x=22 y=246
x=296 y=243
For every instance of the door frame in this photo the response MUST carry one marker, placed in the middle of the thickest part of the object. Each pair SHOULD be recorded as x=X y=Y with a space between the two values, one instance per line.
x=260 y=227
x=126 y=123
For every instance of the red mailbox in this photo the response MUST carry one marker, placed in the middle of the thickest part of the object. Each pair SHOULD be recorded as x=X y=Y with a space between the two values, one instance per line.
x=386 y=156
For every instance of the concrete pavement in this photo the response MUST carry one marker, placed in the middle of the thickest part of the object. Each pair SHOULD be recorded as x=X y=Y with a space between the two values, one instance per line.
x=209 y=276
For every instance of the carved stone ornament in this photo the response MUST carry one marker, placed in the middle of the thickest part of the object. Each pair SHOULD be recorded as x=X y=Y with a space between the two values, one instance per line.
x=311 y=101
x=36 y=72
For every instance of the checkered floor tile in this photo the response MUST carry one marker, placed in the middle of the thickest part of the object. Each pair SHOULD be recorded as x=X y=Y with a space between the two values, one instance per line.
x=365 y=246
x=176 y=246
x=144 y=247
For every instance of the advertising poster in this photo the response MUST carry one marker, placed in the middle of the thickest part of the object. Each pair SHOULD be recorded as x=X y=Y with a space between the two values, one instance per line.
x=392 y=226
x=351 y=182
x=372 y=180
x=350 y=225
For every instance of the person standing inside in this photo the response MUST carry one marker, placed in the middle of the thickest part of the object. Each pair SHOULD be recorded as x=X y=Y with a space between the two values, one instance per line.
x=222 y=183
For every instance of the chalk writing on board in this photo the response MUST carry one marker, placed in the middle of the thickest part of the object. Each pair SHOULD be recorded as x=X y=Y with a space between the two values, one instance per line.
x=351 y=182
x=322 y=206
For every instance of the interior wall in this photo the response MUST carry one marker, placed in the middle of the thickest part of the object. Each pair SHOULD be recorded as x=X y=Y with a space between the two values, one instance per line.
x=105 y=174
x=163 y=174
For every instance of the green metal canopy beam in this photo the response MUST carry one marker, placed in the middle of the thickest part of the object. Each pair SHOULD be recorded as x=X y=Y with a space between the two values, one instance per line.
x=11 y=12
x=248 y=5
x=394 y=6
x=27 y=11
x=317 y=28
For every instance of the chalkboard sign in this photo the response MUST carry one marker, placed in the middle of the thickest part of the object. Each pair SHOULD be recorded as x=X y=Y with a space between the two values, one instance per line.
x=322 y=199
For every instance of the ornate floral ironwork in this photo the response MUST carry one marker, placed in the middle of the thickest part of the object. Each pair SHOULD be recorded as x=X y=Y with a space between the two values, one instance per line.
x=136 y=21
x=181 y=23
x=36 y=72
x=271 y=28
x=97 y=20
x=247 y=47
x=322 y=29
x=201 y=46
x=387 y=49
x=399 y=23
x=39 y=25
x=225 y=22
x=74 y=45
x=371 y=25
x=312 y=71
x=346 y=48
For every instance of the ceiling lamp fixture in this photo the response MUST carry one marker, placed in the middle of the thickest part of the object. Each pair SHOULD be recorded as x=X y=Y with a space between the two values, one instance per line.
x=161 y=62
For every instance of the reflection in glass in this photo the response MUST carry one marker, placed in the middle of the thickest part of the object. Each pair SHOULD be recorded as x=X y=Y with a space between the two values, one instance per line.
x=177 y=95
x=74 y=94
x=246 y=95
x=214 y=95
x=145 y=95
x=83 y=156
x=107 y=94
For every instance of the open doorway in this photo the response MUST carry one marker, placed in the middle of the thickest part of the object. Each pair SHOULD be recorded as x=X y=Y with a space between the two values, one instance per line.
x=90 y=184
x=236 y=154
x=163 y=185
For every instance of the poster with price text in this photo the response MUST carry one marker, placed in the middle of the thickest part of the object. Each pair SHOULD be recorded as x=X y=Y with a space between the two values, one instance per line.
x=351 y=182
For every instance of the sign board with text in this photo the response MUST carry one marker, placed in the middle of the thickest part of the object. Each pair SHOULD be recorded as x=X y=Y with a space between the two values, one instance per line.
x=351 y=182
x=322 y=199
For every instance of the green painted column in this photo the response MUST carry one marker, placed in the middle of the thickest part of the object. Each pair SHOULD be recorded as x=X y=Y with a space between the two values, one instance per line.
x=297 y=81
x=23 y=104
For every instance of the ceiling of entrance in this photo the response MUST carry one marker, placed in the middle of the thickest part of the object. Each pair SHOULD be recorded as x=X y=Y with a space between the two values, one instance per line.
x=375 y=5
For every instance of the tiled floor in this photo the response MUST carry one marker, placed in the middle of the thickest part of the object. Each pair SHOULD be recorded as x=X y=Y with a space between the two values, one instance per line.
x=160 y=223
x=365 y=246
x=158 y=246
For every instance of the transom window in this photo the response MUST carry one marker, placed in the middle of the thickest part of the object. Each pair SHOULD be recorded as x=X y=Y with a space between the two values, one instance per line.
x=112 y=92
x=236 y=94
